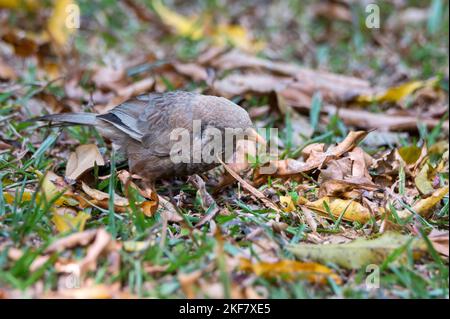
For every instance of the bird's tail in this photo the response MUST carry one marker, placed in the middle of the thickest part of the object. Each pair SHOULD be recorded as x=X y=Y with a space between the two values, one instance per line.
x=67 y=119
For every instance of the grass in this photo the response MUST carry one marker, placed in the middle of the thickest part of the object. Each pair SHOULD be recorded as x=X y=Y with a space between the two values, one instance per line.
x=26 y=222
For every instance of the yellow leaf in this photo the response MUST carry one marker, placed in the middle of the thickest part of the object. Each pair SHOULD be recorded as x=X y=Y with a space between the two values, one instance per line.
x=424 y=207
x=18 y=4
x=359 y=253
x=236 y=36
x=287 y=203
x=187 y=27
x=354 y=211
x=291 y=269
x=10 y=196
x=133 y=246
x=410 y=154
x=58 y=23
x=422 y=180
x=50 y=190
x=66 y=219
x=84 y=158
x=397 y=93
x=197 y=28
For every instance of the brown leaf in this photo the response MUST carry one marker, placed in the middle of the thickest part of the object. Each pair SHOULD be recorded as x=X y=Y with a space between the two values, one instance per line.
x=138 y=87
x=15 y=254
x=76 y=239
x=6 y=72
x=440 y=240
x=84 y=158
x=100 y=245
x=290 y=166
x=192 y=70
x=291 y=269
x=239 y=84
x=338 y=188
x=169 y=211
x=101 y=196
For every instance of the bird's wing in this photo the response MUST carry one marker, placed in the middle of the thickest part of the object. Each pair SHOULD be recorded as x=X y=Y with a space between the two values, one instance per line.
x=151 y=118
x=125 y=117
x=163 y=114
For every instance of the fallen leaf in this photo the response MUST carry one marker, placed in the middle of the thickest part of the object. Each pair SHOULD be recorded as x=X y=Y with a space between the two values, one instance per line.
x=6 y=72
x=337 y=188
x=197 y=28
x=440 y=240
x=19 y=4
x=92 y=292
x=53 y=186
x=310 y=220
x=397 y=93
x=68 y=219
x=290 y=166
x=169 y=211
x=423 y=180
x=102 y=196
x=138 y=87
x=410 y=154
x=425 y=207
x=290 y=269
x=101 y=242
x=58 y=22
x=15 y=254
x=240 y=84
x=134 y=246
x=84 y=158
x=187 y=282
x=76 y=239
x=358 y=253
x=354 y=211
x=287 y=203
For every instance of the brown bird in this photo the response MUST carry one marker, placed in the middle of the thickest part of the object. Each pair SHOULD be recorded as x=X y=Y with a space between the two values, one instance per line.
x=141 y=128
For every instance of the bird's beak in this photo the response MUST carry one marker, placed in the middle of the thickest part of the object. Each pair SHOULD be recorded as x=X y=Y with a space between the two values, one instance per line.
x=254 y=136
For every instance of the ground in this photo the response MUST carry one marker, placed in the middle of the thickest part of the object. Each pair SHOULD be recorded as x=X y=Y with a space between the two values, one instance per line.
x=356 y=206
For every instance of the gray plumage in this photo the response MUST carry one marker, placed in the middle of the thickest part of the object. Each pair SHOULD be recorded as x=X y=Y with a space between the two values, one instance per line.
x=141 y=128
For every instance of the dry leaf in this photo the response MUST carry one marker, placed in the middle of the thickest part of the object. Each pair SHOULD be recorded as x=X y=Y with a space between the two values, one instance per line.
x=354 y=211
x=101 y=242
x=102 y=196
x=398 y=93
x=291 y=269
x=68 y=219
x=76 y=239
x=54 y=185
x=423 y=180
x=440 y=240
x=84 y=158
x=316 y=159
x=197 y=28
x=425 y=207
x=6 y=72
x=358 y=253
x=287 y=203
x=58 y=23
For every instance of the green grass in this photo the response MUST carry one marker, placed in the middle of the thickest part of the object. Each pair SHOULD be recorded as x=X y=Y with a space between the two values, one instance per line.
x=26 y=224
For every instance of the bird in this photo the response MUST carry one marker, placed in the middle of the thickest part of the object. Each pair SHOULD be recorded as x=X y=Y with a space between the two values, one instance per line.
x=141 y=127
